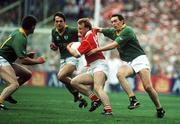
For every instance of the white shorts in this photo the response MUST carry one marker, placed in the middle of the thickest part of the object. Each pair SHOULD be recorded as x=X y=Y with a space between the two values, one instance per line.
x=69 y=60
x=4 y=62
x=139 y=63
x=98 y=65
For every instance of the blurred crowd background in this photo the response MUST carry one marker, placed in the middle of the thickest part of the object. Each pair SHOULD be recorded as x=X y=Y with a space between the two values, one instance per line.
x=156 y=22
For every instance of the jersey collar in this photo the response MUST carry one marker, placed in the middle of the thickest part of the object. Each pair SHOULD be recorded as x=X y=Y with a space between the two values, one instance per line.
x=61 y=33
x=89 y=32
x=23 y=31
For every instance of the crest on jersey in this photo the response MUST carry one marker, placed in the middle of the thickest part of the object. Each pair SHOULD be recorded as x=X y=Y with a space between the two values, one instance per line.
x=120 y=38
x=24 y=52
x=65 y=37
x=57 y=37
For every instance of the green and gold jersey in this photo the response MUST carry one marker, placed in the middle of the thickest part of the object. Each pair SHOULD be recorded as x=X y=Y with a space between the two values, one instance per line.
x=61 y=40
x=14 y=46
x=129 y=47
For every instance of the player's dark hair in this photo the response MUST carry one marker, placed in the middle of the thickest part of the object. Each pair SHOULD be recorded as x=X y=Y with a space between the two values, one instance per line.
x=60 y=14
x=120 y=17
x=86 y=22
x=28 y=22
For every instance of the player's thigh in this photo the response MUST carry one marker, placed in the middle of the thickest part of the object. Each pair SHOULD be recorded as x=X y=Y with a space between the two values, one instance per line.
x=99 y=79
x=125 y=71
x=84 y=78
x=7 y=73
x=67 y=69
x=21 y=71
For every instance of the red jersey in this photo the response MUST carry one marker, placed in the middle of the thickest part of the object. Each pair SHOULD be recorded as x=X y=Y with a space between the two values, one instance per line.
x=88 y=43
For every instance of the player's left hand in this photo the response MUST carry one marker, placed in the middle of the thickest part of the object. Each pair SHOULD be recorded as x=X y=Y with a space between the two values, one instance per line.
x=53 y=47
x=93 y=51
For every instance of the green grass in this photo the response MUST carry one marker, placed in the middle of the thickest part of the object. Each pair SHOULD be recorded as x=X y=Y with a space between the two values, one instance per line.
x=55 y=106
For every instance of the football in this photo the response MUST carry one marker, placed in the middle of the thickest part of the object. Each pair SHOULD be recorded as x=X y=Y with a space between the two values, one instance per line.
x=75 y=45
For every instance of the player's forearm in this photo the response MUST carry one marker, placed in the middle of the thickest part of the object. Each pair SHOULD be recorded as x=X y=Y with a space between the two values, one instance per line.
x=97 y=29
x=107 y=47
x=30 y=61
x=73 y=52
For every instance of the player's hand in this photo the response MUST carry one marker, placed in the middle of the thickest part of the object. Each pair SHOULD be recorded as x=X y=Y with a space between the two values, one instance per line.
x=53 y=46
x=97 y=29
x=31 y=54
x=41 y=60
x=93 y=51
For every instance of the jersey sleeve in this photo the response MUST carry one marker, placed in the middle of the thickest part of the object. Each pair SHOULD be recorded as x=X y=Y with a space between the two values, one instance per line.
x=53 y=36
x=84 y=47
x=19 y=45
x=108 y=32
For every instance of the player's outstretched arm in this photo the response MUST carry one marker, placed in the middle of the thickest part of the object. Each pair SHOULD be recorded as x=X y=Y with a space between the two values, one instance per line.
x=97 y=29
x=32 y=61
x=110 y=46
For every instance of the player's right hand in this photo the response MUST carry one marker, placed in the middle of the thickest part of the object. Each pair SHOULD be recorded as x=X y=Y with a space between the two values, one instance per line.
x=97 y=29
x=53 y=47
x=41 y=60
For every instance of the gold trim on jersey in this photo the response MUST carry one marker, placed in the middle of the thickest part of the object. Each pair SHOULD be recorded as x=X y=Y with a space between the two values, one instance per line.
x=5 y=41
x=61 y=33
x=23 y=31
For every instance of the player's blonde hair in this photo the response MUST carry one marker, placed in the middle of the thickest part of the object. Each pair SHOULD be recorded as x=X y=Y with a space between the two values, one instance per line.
x=86 y=22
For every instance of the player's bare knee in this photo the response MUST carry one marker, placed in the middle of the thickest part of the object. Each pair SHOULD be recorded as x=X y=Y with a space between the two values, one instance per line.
x=148 y=88
x=15 y=85
x=98 y=88
x=61 y=77
x=120 y=75
x=74 y=82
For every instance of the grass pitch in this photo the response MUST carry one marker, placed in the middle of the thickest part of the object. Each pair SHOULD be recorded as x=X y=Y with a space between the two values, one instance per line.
x=55 y=106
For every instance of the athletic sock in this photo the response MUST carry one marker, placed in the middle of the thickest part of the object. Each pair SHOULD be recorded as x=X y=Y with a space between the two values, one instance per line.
x=93 y=97
x=108 y=108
